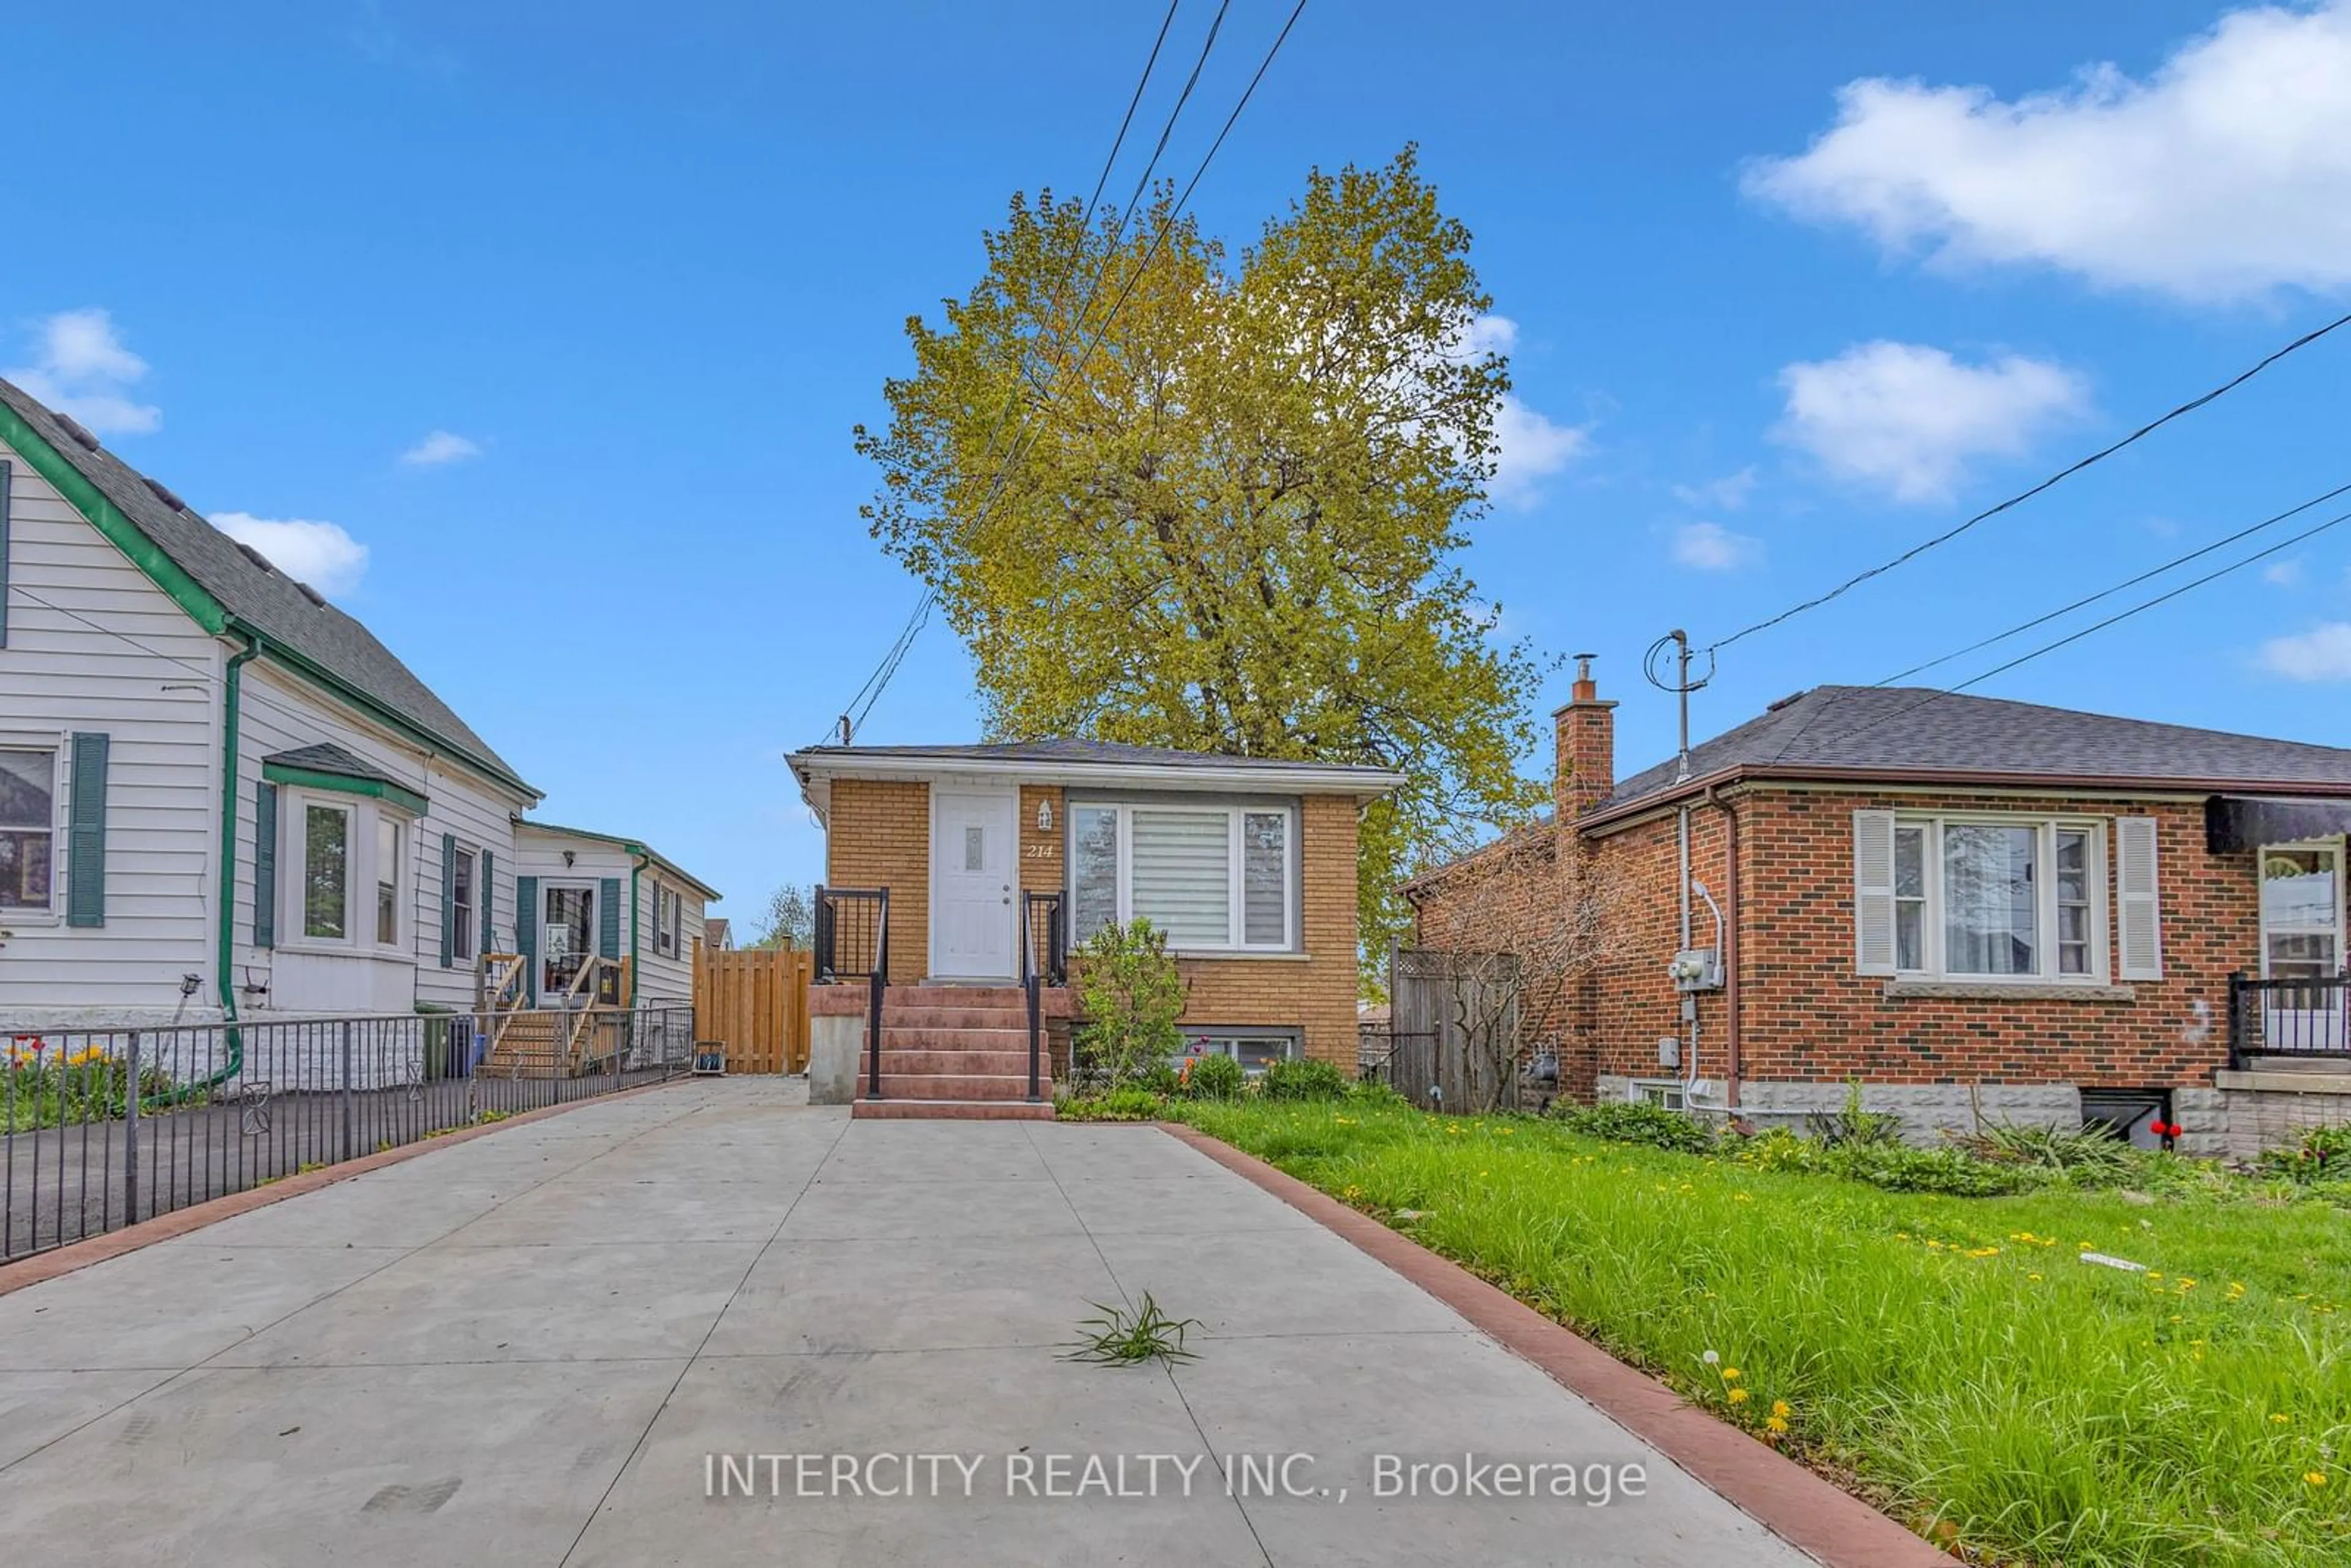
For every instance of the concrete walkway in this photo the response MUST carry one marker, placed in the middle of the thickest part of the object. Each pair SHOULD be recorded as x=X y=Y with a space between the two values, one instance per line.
x=527 y=1348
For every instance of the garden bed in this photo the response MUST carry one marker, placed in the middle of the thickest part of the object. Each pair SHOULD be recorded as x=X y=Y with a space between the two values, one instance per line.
x=1963 y=1362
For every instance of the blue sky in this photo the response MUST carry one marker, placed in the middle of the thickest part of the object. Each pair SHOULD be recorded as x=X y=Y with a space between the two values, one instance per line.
x=566 y=325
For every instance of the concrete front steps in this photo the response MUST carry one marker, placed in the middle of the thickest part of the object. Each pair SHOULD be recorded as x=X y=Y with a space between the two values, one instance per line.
x=954 y=1052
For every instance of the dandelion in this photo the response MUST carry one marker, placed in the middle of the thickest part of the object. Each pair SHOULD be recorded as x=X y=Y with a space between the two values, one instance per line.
x=1780 y=1409
x=2032 y=1276
x=1730 y=1375
x=1775 y=1424
x=1737 y=1396
x=2280 y=1419
x=2313 y=1478
x=1711 y=1359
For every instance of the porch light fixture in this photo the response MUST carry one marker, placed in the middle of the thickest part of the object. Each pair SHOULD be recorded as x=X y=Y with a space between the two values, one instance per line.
x=1044 y=815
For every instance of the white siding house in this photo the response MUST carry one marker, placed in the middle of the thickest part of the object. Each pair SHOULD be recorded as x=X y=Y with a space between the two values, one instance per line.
x=594 y=893
x=220 y=797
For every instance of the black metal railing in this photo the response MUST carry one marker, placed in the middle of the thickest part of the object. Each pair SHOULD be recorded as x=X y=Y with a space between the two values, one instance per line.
x=1044 y=960
x=2298 y=1017
x=852 y=942
x=103 y=1128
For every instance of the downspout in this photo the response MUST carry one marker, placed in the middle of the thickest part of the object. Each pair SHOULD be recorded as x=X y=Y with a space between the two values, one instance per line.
x=1688 y=998
x=232 y=685
x=636 y=907
x=1730 y=946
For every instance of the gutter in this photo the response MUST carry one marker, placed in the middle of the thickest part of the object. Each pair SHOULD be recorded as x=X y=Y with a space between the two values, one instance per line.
x=1613 y=813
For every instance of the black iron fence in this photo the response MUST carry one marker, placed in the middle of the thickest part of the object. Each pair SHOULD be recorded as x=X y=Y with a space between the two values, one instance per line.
x=852 y=942
x=103 y=1128
x=1043 y=962
x=2300 y=1018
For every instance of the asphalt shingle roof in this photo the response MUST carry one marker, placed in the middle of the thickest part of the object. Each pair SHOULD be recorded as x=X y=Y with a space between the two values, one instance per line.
x=1908 y=730
x=264 y=597
x=327 y=758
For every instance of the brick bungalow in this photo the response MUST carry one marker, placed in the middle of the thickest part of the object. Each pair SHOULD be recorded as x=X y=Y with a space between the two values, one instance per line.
x=1973 y=906
x=1249 y=863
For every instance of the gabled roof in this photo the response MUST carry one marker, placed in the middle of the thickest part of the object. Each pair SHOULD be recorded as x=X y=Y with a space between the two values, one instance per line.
x=327 y=758
x=1902 y=732
x=634 y=846
x=1085 y=763
x=185 y=552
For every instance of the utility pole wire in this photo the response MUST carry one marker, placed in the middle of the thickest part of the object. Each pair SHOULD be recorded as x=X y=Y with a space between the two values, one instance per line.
x=2021 y=498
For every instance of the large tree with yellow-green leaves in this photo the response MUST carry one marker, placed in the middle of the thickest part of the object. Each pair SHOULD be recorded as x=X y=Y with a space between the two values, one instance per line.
x=1225 y=516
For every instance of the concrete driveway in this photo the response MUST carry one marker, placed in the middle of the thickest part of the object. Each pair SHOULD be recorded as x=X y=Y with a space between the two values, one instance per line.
x=556 y=1343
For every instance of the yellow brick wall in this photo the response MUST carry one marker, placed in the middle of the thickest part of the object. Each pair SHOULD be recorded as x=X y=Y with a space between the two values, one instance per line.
x=878 y=835
x=1315 y=993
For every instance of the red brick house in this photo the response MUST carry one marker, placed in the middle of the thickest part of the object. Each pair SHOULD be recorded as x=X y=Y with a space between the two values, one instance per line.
x=1973 y=906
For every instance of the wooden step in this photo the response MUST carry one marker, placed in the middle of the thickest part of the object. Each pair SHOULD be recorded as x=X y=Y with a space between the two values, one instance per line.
x=952 y=1110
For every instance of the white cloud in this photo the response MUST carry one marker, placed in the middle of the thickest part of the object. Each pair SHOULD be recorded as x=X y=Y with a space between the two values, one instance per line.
x=439 y=447
x=1908 y=418
x=2225 y=174
x=1728 y=493
x=81 y=370
x=1528 y=447
x=320 y=554
x=1711 y=547
x=2282 y=573
x=2320 y=653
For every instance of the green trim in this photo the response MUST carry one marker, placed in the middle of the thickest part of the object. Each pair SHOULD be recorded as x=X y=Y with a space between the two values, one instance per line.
x=636 y=905
x=399 y=795
x=319 y=675
x=232 y=687
x=634 y=847
x=112 y=521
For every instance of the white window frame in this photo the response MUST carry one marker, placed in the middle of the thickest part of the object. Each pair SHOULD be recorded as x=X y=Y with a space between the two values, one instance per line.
x=1225 y=1042
x=1668 y=1094
x=669 y=921
x=1237 y=813
x=2341 y=851
x=404 y=837
x=2046 y=944
x=51 y=913
x=361 y=814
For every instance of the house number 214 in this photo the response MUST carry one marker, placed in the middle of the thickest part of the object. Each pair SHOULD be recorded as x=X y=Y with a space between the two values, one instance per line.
x=1037 y=852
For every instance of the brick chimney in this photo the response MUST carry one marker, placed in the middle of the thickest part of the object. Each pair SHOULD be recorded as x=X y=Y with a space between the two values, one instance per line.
x=1585 y=767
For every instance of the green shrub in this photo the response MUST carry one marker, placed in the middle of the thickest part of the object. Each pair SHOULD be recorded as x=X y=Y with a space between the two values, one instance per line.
x=2086 y=1155
x=1159 y=1078
x=1214 y=1078
x=1127 y=1103
x=1131 y=994
x=1374 y=1094
x=1852 y=1124
x=1897 y=1168
x=2322 y=1155
x=1302 y=1078
x=1640 y=1122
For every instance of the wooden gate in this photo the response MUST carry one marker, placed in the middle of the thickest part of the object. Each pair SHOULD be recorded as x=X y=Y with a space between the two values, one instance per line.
x=755 y=1002
x=1454 y=1018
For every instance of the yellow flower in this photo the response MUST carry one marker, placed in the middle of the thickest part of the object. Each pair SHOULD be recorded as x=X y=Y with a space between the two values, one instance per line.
x=1780 y=1408
x=1737 y=1396
x=2032 y=1276
x=1775 y=1424
x=2280 y=1420
x=2313 y=1478
x=1730 y=1375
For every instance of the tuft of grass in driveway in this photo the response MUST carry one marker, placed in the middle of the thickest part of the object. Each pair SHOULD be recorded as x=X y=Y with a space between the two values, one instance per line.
x=1954 y=1359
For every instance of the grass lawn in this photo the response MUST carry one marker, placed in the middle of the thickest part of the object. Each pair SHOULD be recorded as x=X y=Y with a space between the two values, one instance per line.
x=1950 y=1358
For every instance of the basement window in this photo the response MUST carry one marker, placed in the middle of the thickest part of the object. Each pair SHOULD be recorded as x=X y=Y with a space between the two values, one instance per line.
x=1255 y=1050
x=1665 y=1093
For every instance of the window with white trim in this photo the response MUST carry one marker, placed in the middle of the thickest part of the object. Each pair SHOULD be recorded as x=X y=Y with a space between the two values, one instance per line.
x=669 y=921
x=1255 y=1050
x=1667 y=1092
x=387 y=841
x=1980 y=897
x=1214 y=878
x=343 y=860
x=28 y=828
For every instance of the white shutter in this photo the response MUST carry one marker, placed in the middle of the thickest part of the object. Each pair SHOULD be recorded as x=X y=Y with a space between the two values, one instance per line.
x=2138 y=899
x=1873 y=892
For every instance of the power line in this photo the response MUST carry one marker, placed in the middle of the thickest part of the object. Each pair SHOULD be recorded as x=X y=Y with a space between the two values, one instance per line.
x=2116 y=619
x=1021 y=442
x=2024 y=495
x=853 y=715
x=2178 y=560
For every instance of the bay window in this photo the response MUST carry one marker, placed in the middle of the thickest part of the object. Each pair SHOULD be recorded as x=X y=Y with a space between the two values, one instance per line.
x=1213 y=877
x=387 y=880
x=344 y=860
x=326 y=871
x=1979 y=898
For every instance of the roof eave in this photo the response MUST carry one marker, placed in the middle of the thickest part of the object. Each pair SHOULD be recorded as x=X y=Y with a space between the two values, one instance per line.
x=1612 y=812
x=816 y=772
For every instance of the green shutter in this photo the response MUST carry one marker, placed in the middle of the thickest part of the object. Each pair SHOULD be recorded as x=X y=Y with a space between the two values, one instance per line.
x=448 y=896
x=527 y=932
x=489 y=898
x=3 y=555
x=264 y=864
x=608 y=935
x=85 y=841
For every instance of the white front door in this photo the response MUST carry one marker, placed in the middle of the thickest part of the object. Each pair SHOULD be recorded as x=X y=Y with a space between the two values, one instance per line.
x=2302 y=939
x=972 y=884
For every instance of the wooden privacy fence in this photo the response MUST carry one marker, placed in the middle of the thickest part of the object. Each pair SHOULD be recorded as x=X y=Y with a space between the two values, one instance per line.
x=1454 y=1020
x=755 y=1000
